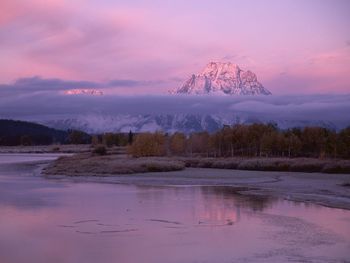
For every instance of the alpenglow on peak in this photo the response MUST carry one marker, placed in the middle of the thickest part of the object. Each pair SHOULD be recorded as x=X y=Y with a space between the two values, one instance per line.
x=223 y=78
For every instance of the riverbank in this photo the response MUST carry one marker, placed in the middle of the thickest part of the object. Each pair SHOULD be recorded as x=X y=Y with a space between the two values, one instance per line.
x=88 y=164
x=59 y=148
x=316 y=188
x=142 y=211
x=115 y=164
x=330 y=190
x=117 y=157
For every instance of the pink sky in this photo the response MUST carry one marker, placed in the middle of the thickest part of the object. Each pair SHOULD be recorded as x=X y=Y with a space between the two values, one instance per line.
x=294 y=46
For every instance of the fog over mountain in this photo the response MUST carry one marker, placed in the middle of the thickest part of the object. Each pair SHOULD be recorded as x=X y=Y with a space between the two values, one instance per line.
x=173 y=112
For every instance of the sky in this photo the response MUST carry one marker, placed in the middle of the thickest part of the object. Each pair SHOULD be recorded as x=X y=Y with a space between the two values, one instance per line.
x=139 y=47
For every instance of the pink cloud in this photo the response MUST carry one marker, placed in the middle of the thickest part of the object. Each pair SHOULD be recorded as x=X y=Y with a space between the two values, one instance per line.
x=323 y=72
x=58 y=36
x=104 y=41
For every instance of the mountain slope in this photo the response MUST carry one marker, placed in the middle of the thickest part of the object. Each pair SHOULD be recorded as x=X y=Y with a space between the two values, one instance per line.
x=95 y=123
x=186 y=123
x=223 y=78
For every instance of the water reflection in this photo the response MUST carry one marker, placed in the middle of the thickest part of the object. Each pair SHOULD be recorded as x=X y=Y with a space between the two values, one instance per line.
x=211 y=205
x=51 y=221
x=231 y=194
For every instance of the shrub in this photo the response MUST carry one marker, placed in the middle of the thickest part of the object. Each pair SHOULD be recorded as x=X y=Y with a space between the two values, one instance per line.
x=163 y=167
x=338 y=167
x=307 y=165
x=55 y=149
x=226 y=164
x=100 y=150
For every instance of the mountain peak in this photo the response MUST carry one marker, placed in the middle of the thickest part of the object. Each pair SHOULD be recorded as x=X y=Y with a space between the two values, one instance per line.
x=90 y=92
x=223 y=78
x=215 y=66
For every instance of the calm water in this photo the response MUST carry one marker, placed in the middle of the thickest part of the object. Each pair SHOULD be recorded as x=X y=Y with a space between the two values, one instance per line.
x=60 y=221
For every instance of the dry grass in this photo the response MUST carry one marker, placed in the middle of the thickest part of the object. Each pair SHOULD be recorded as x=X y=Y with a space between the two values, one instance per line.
x=88 y=164
x=93 y=164
x=272 y=164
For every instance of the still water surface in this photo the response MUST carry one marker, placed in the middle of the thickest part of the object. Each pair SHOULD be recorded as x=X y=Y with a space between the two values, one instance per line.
x=62 y=221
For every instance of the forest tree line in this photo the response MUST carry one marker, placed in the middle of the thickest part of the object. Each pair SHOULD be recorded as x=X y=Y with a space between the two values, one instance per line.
x=255 y=140
x=14 y=133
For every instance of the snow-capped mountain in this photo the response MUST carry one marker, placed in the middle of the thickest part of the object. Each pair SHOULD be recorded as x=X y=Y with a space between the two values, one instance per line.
x=223 y=78
x=186 y=123
x=96 y=123
x=91 y=92
x=195 y=115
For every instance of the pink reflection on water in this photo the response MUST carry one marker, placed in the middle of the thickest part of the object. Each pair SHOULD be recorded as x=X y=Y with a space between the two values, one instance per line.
x=88 y=222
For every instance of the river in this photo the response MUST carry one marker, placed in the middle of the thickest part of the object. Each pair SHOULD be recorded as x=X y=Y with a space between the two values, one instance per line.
x=55 y=220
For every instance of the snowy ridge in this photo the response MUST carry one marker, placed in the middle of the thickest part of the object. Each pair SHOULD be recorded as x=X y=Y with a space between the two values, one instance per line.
x=186 y=123
x=91 y=92
x=223 y=78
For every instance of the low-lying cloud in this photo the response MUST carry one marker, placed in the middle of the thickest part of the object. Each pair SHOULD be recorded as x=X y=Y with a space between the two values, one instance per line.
x=51 y=104
x=40 y=86
x=35 y=84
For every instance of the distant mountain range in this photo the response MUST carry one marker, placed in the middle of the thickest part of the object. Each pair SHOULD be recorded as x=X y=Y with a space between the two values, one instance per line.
x=22 y=132
x=223 y=78
x=186 y=123
x=217 y=78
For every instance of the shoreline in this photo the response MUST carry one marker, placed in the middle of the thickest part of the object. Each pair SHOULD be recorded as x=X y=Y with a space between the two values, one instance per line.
x=46 y=149
x=115 y=164
x=330 y=190
x=298 y=187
